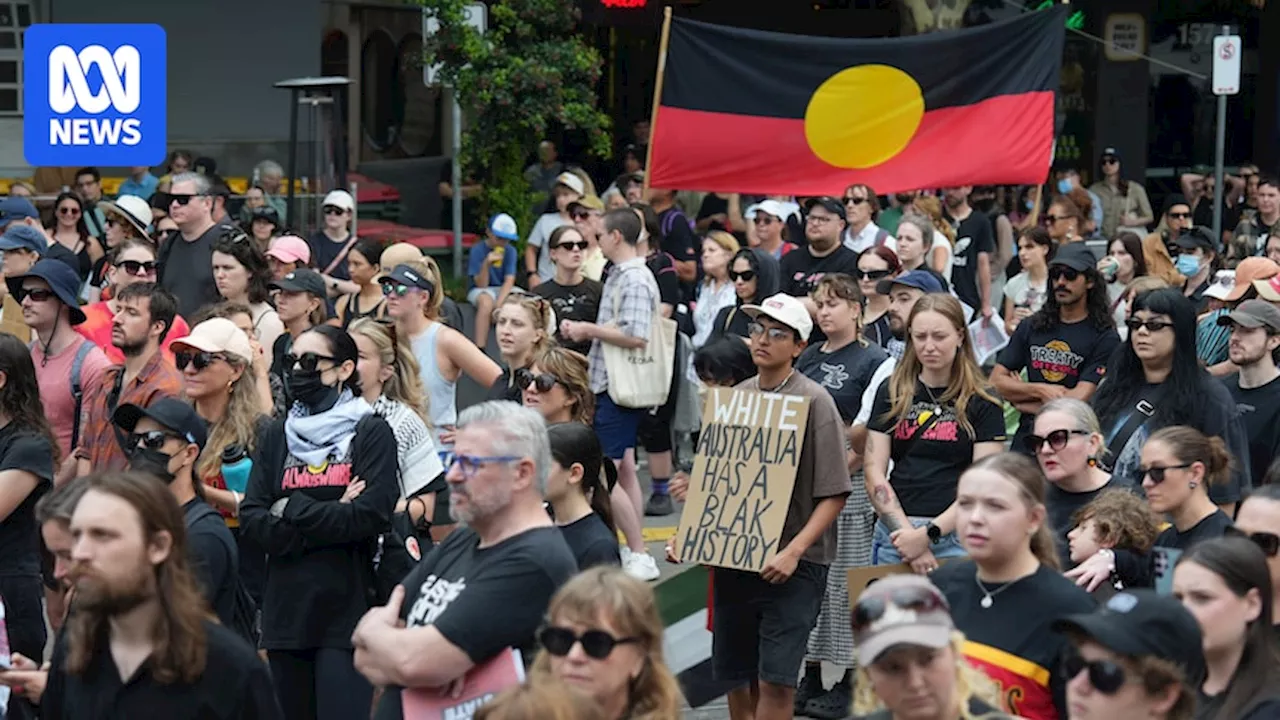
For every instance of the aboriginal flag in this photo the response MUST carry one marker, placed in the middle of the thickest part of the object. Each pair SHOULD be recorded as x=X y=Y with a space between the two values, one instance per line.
x=768 y=113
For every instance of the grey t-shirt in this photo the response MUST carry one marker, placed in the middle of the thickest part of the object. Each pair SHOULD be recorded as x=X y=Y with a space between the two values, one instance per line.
x=538 y=238
x=845 y=372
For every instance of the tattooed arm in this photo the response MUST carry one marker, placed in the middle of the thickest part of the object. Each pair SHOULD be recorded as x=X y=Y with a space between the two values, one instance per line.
x=876 y=472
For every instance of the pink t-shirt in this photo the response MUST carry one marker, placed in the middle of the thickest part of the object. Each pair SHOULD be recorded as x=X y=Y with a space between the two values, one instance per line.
x=54 y=379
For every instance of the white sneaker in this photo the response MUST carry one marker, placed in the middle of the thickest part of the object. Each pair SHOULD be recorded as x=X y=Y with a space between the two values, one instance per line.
x=624 y=553
x=641 y=566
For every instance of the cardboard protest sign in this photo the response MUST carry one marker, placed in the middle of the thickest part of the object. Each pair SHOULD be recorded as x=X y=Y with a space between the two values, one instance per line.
x=480 y=685
x=743 y=475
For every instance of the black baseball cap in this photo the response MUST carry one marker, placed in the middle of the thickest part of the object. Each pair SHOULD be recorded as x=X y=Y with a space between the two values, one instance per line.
x=1194 y=238
x=170 y=413
x=1141 y=623
x=1110 y=152
x=302 y=280
x=405 y=275
x=1076 y=256
x=832 y=205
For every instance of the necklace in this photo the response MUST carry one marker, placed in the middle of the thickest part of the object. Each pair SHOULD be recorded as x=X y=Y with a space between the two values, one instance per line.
x=986 y=602
x=937 y=406
x=784 y=382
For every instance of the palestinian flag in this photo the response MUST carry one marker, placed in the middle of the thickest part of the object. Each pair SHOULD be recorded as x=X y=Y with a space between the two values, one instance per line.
x=767 y=113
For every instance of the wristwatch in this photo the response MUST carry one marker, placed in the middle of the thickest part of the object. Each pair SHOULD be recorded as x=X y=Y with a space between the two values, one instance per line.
x=934 y=532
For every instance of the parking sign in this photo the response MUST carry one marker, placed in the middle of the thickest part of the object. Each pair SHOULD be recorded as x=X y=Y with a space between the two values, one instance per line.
x=94 y=95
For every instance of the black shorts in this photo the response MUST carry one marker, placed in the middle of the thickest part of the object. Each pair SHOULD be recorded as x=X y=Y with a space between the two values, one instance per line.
x=760 y=630
x=654 y=434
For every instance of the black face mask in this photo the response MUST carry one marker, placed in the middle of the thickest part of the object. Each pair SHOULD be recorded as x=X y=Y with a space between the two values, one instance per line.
x=306 y=387
x=153 y=462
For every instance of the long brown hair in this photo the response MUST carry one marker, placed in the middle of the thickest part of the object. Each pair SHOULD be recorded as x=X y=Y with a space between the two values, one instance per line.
x=542 y=698
x=1025 y=473
x=967 y=381
x=572 y=370
x=629 y=606
x=180 y=640
x=20 y=396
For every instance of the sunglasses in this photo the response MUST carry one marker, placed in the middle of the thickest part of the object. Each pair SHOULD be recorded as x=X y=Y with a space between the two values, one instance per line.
x=1051 y=219
x=137 y=267
x=872 y=274
x=182 y=199
x=151 y=440
x=1180 y=216
x=36 y=295
x=68 y=211
x=1269 y=543
x=597 y=644
x=399 y=291
x=1151 y=325
x=872 y=607
x=580 y=215
x=763 y=220
x=755 y=330
x=1157 y=473
x=1105 y=676
x=1109 y=161
x=198 y=360
x=1058 y=272
x=1057 y=440
x=307 y=361
x=744 y=276
x=571 y=245
x=542 y=382
x=334 y=210
x=850 y=200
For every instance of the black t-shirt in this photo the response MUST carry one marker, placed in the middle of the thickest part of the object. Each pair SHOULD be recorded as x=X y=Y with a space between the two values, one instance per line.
x=844 y=372
x=1062 y=507
x=713 y=204
x=19 y=537
x=467 y=593
x=663 y=267
x=324 y=250
x=504 y=389
x=1259 y=410
x=320 y=551
x=925 y=478
x=591 y=542
x=800 y=272
x=973 y=236
x=215 y=558
x=678 y=239
x=572 y=302
x=235 y=684
x=1208 y=706
x=187 y=270
x=1064 y=354
x=1013 y=641
x=1214 y=526
x=878 y=332
x=1202 y=216
x=730 y=321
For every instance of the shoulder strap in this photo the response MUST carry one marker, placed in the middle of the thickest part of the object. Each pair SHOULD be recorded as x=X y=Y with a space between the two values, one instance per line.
x=915 y=436
x=77 y=388
x=1143 y=410
x=881 y=236
x=342 y=254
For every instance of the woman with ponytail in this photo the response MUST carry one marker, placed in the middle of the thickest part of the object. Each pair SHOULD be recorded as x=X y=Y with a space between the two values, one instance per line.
x=1006 y=597
x=579 y=494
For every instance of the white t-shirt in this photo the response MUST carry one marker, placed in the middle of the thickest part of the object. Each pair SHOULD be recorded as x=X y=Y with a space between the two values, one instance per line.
x=941 y=241
x=538 y=238
x=867 y=238
x=1023 y=293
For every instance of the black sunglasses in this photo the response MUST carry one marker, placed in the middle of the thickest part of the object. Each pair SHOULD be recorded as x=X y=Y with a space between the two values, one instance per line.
x=763 y=219
x=182 y=199
x=1269 y=543
x=36 y=294
x=1151 y=325
x=68 y=210
x=872 y=606
x=580 y=215
x=137 y=267
x=1157 y=473
x=333 y=210
x=198 y=360
x=597 y=644
x=744 y=276
x=1105 y=676
x=1057 y=440
x=1062 y=272
x=307 y=361
x=543 y=382
x=872 y=274
x=850 y=200
x=571 y=245
x=1180 y=216
x=151 y=440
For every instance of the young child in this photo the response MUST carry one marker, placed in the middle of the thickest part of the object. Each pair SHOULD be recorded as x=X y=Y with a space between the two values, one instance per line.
x=1115 y=520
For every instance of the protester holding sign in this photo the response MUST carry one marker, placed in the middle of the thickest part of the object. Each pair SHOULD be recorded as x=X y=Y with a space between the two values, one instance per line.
x=932 y=419
x=762 y=619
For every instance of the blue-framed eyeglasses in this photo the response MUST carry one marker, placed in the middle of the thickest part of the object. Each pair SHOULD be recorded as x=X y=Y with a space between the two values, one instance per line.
x=471 y=464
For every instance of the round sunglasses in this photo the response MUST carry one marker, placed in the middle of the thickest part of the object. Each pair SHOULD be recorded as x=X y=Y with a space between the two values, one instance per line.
x=1269 y=543
x=597 y=644
x=1105 y=676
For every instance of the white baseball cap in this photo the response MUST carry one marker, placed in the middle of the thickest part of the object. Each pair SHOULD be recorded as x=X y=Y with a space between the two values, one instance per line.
x=776 y=208
x=503 y=226
x=217 y=335
x=786 y=310
x=571 y=181
x=340 y=198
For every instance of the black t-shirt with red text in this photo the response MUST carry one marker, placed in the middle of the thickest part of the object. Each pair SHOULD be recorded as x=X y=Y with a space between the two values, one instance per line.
x=799 y=273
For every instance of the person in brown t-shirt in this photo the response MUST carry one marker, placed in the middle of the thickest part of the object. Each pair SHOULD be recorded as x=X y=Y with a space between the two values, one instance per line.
x=761 y=621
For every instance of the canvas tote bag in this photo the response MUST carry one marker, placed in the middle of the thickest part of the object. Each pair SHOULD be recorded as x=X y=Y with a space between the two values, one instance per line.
x=641 y=378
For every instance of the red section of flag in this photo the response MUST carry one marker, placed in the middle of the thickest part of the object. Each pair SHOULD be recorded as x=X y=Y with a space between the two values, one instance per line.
x=1006 y=139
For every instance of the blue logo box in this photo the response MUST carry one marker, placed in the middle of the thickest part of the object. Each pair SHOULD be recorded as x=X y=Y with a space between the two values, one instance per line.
x=94 y=95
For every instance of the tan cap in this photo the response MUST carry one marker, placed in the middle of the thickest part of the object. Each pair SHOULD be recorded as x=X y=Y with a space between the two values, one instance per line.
x=1268 y=290
x=590 y=202
x=1250 y=269
x=217 y=335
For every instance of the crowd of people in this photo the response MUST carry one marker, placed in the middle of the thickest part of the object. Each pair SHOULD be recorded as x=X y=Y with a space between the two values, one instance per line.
x=238 y=482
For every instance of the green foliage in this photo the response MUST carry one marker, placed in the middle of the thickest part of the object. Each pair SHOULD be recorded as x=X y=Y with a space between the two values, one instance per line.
x=528 y=74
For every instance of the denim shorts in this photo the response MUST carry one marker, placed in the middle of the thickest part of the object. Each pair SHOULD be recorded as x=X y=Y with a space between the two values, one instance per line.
x=615 y=426
x=883 y=551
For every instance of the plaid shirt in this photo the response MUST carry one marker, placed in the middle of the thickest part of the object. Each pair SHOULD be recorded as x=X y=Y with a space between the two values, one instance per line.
x=632 y=289
x=98 y=443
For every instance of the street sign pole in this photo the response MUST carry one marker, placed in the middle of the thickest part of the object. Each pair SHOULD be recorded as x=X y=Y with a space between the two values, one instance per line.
x=1226 y=81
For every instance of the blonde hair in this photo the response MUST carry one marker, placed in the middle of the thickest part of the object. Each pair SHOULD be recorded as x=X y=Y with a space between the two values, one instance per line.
x=724 y=240
x=967 y=380
x=572 y=370
x=427 y=268
x=238 y=424
x=543 y=697
x=1026 y=474
x=540 y=312
x=630 y=607
x=1083 y=414
x=931 y=207
x=970 y=683
x=405 y=383
x=1145 y=283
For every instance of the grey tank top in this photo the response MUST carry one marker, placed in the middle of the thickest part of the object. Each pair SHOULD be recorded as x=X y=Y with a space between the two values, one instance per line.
x=442 y=394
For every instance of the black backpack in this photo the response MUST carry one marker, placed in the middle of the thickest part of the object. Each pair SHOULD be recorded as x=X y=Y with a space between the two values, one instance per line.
x=244 y=615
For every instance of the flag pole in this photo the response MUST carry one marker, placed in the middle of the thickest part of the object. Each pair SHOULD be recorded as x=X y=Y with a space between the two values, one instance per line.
x=657 y=94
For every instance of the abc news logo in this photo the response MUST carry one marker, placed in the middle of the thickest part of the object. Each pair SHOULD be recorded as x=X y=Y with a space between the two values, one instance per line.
x=69 y=91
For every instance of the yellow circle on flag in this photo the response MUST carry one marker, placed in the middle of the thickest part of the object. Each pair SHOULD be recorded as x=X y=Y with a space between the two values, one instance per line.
x=863 y=116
